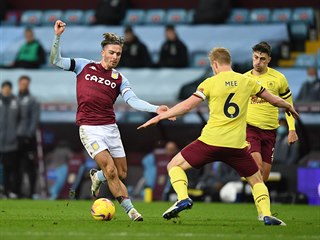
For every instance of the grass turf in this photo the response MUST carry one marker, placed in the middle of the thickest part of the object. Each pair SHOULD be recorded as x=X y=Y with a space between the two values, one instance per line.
x=27 y=219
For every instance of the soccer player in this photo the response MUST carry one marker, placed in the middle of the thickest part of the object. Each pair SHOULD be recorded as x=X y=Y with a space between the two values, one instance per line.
x=262 y=118
x=224 y=136
x=98 y=86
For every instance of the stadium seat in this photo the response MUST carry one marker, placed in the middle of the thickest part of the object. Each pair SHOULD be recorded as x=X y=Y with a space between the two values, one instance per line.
x=260 y=15
x=305 y=15
x=134 y=17
x=51 y=16
x=176 y=16
x=75 y=17
x=89 y=17
x=200 y=60
x=318 y=58
x=238 y=15
x=31 y=17
x=281 y=15
x=11 y=18
x=306 y=60
x=190 y=16
x=299 y=30
x=155 y=16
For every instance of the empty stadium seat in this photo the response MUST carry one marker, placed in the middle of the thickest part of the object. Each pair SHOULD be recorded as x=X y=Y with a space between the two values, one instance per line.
x=51 y=16
x=281 y=15
x=298 y=30
x=155 y=16
x=73 y=17
x=134 y=17
x=200 y=59
x=238 y=15
x=89 y=17
x=31 y=17
x=260 y=15
x=190 y=16
x=306 y=60
x=11 y=18
x=176 y=16
x=305 y=15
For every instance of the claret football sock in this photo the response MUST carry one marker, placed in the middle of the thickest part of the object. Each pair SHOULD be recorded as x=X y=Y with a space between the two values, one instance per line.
x=179 y=181
x=261 y=198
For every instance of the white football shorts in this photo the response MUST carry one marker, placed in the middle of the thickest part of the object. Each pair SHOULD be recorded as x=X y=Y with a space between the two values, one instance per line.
x=96 y=139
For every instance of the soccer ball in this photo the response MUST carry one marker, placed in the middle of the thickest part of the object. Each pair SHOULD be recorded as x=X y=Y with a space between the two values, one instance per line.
x=103 y=209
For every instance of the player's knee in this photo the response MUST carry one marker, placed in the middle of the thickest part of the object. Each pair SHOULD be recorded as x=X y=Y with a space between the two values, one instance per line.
x=265 y=177
x=111 y=172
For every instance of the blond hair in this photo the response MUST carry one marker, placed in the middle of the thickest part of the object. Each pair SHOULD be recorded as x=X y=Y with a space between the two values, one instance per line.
x=111 y=38
x=221 y=55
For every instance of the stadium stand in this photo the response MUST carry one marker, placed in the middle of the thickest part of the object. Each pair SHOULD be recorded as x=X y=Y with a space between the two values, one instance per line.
x=31 y=18
x=190 y=16
x=89 y=17
x=11 y=18
x=74 y=17
x=155 y=16
x=281 y=15
x=239 y=16
x=302 y=19
x=49 y=17
x=261 y=15
x=134 y=17
x=198 y=38
x=176 y=16
x=306 y=60
x=200 y=59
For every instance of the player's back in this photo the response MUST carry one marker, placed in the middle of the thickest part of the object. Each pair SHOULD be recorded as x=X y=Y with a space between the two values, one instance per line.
x=227 y=93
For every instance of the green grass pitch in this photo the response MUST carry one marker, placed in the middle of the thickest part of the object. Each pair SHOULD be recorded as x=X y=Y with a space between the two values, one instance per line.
x=59 y=220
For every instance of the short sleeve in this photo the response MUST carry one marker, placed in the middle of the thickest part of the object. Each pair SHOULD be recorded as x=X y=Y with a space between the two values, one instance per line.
x=256 y=86
x=203 y=90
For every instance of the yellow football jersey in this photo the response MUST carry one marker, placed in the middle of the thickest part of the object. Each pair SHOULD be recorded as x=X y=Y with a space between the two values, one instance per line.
x=261 y=113
x=227 y=94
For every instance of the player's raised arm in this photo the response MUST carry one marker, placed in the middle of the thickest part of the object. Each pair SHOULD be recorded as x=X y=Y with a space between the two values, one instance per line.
x=179 y=109
x=279 y=102
x=55 y=55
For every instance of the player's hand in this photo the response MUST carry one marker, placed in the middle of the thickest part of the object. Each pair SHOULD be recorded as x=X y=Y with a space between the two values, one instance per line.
x=291 y=111
x=59 y=27
x=292 y=137
x=152 y=121
x=164 y=108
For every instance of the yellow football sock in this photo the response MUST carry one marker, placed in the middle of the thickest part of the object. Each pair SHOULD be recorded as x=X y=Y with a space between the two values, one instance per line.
x=257 y=205
x=179 y=181
x=261 y=198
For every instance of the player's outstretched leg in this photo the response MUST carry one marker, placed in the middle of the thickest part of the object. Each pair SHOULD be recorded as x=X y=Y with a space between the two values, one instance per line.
x=95 y=182
x=271 y=220
x=177 y=207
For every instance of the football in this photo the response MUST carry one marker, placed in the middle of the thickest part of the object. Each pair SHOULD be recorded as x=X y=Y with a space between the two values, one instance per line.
x=103 y=209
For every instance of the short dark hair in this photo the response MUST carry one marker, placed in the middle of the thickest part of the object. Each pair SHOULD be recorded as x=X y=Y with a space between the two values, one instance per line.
x=170 y=27
x=111 y=38
x=25 y=77
x=128 y=29
x=6 y=83
x=262 y=47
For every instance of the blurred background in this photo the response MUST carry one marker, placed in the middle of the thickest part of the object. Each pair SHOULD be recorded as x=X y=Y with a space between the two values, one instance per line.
x=57 y=167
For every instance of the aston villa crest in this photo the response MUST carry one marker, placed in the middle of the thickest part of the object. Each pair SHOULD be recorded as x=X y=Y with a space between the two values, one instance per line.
x=115 y=75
